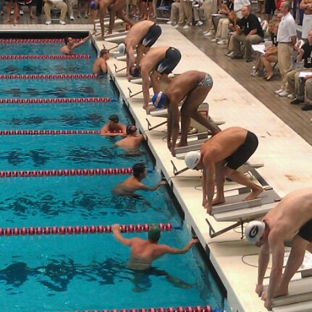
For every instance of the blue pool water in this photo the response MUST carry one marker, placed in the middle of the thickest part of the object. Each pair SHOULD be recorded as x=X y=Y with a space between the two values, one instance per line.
x=82 y=271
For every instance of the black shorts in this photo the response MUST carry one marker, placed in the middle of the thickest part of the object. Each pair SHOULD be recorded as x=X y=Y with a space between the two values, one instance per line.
x=269 y=7
x=171 y=60
x=243 y=153
x=152 y=35
x=305 y=231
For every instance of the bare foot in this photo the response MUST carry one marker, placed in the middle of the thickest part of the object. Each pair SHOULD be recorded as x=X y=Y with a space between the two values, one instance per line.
x=15 y=21
x=254 y=193
x=281 y=292
x=218 y=201
x=209 y=210
x=7 y=21
x=180 y=144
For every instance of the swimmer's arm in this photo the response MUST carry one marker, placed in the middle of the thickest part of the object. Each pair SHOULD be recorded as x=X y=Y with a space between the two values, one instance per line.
x=119 y=237
x=145 y=87
x=104 y=67
x=140 y=49
x=165 y=249
x=263 y=261
x=104 y=130
x=174 y=115
x=84 y=39
x=209 y=171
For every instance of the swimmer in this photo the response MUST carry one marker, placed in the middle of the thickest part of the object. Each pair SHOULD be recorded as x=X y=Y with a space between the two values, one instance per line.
x=191 y=88
x=113 y=127
x=290 y=218
x=100 y=64
x=132 y=141
x=141 y=37
x=70 y=44
x=144 y=252
x=133 y=184
x=220 y=157
x=115 y=8
x=156 y=64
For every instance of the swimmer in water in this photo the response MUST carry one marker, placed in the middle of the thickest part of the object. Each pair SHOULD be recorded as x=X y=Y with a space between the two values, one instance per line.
x=113 y=127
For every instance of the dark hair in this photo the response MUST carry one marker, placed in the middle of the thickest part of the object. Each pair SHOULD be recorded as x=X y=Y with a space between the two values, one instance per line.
x=131 y=129
x=114 y=118
x=66 y=39
x=135 y=71
x=137 y=169
x=103 y=51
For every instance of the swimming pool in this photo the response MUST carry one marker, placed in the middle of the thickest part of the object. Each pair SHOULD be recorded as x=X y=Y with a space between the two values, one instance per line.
x=83 y=271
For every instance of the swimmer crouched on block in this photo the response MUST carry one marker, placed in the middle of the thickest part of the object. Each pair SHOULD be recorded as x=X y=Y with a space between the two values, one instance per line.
x=144 y=252
x=132 y=184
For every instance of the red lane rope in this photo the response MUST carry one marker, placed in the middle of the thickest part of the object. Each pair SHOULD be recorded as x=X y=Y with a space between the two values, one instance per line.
x=56 y=76
x=64 y=172
x=85 y=229
x=54 y=57
x=47 y=132
x=55 y=100
x=34 y=40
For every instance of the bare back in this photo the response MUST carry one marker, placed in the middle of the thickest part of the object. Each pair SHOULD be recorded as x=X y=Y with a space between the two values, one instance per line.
x=290 y=214
x=130 y=142
x=137 y=32
x=183 y=84
x=152 y=58
x=223 y=144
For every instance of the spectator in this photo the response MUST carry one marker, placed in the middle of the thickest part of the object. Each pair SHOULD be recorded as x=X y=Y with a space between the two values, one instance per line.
x=175 y=13
x=70 y=9
x=8 y=10
x=186 y=14
x=286 y=38
x=306 y=5
x=308 y=94
x=233 y=19
x=269 y=56
x=295 y=82
x=269 y=9
x=248 y=31
x=85 y=4
x=197 y=12
x=48 y=6
x=238 y=4
x=156 y=65
x=209 y=7
x=100 y=64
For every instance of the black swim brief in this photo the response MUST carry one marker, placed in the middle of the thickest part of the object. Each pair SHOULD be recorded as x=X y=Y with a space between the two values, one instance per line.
x=243 y=153
x=171 y=60
x=152 y=35
x=305 y=231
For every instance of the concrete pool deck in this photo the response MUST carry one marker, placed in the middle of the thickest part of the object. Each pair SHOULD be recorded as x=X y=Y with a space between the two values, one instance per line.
x=279 y=149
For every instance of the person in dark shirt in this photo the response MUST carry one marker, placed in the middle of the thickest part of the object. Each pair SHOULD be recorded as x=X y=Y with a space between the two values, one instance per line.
x=296 y=79
x=248 y=31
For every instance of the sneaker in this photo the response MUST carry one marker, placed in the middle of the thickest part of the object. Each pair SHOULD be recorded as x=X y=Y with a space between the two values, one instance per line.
x=236 y=57
x=193 y=131
x=1 y=13
x=306 y=107
x=48 y=22
x=177 y=26
x=209 y=33
x=72 y=18
x=249 y=59
x=199 y=23
x=169 y=23
x=221 y=42
x=62 y=22
x=291 y=96
x=186 y=27
x=86 y=15
x=12 y=12
x=78 y=16
x=296 y=101
x=279 y=91
x=230 y=54
x=283 y=93
x=254 y=73
x=214 y=40
x=21 y=12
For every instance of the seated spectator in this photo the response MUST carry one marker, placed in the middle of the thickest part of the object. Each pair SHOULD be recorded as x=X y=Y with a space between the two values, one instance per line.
x=233 y=19
x=308 y=94
x=197 y=12
x=223 y=29
x=49 y=5
x=270 y=55
x=80 y=5
x=225 y=8
x=248 y=31
x=295 y=82
x=175 y=13
x=133 y=184
x=186 y=14
x=132 y=141
x=100 y=64
x=113 y=127
x=70 y=9
x=209 y=7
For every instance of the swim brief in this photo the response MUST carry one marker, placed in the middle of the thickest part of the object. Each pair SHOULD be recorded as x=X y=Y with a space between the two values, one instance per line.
x=206 y=82
x=305 y=231
x=243 y=153
x=152 y=35
x=171 y=60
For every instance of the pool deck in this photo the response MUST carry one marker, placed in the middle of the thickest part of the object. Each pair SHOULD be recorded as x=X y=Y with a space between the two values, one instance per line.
x=279 y=148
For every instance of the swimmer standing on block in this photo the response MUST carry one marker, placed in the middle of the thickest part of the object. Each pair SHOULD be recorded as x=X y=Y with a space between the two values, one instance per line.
x=219 y=157
x=144 y=252
x=290 y=218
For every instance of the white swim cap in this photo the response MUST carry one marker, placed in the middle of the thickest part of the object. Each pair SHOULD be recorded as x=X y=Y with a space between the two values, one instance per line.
x=122 y=48
x=192 y=159
x=254 y=230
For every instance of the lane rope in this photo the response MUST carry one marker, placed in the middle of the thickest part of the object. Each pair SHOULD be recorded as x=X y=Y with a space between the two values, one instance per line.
x=55 y=100
x=56 y=76
x=6 y=41
x=85 y=229
x=53 y=57
x=47 y=132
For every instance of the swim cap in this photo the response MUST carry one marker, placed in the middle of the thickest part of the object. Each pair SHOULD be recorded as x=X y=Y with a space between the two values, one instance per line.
x=158 y=99
x=154 y=233
x=192 y=159
x=254 y=230
x=122 y=48
x=93 y=5
x=114 y=118
x=131 y=129
x=135 y=71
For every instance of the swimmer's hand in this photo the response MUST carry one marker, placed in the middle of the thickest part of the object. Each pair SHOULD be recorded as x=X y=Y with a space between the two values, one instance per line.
x=259 y=290
x=116 y=228
x=162 y=182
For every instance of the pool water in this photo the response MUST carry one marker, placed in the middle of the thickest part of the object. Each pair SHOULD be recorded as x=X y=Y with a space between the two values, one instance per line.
x=82 y=271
